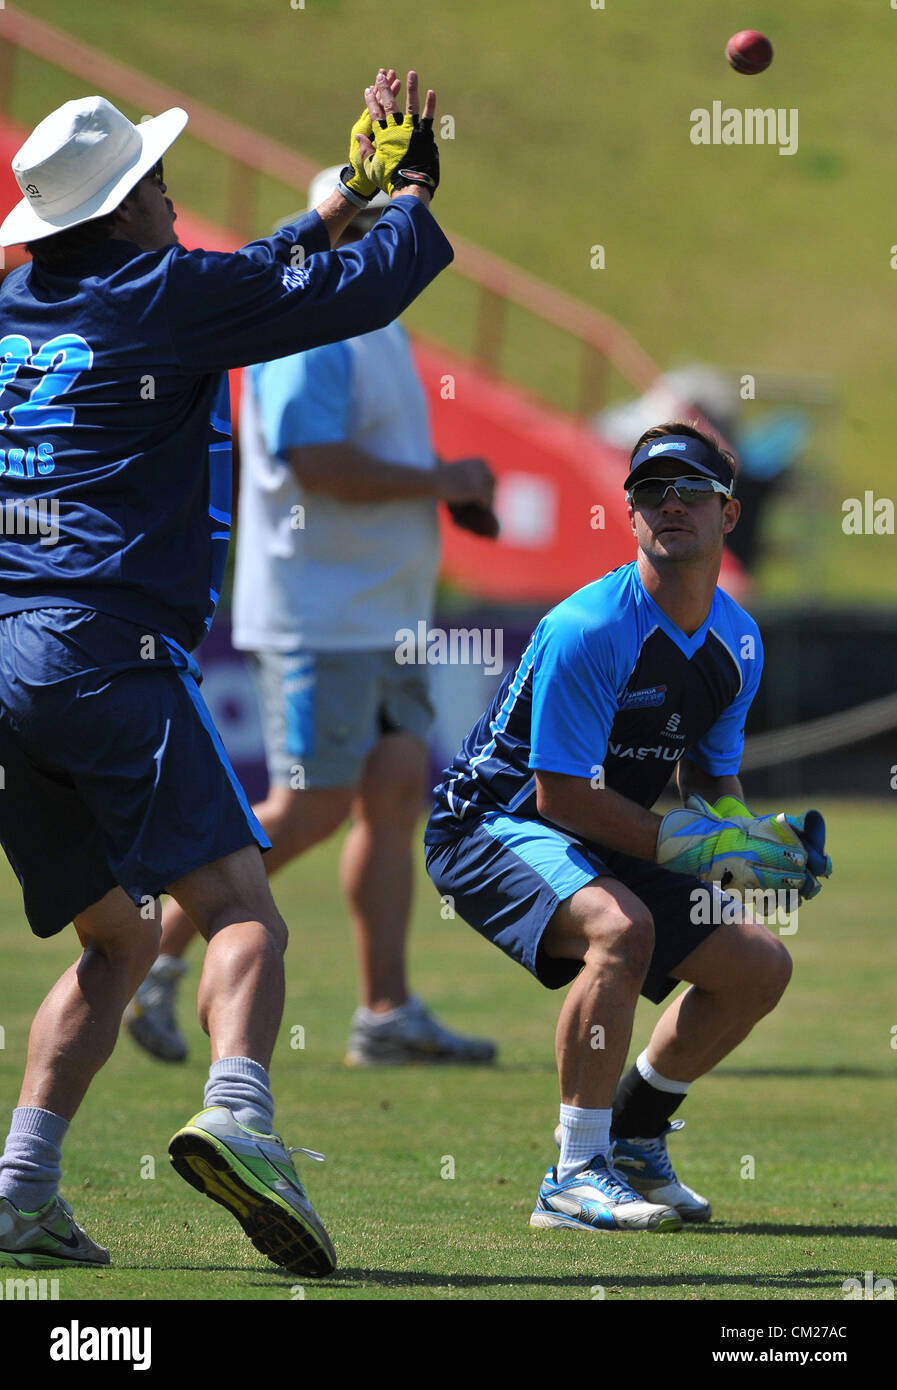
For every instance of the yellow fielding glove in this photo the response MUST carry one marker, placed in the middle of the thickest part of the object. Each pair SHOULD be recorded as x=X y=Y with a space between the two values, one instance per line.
x=354 y=181
x=405 y=153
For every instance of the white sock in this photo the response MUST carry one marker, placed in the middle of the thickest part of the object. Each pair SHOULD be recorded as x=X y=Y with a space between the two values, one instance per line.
x=654 y=1078
x=366 y=1015
x=584 y=1133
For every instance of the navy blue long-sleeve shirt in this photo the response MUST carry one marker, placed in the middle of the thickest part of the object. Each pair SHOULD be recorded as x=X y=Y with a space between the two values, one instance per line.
x=114 y=402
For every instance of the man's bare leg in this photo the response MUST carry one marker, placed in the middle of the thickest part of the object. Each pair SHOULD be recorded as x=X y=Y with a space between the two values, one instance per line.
x=75 y=1028
x=293 y=821
x=611 y=931
x=377 y=879
x=737 y=975
x=71 y=1037
x=241 y=990
x=376 y=868
x=229 y=1151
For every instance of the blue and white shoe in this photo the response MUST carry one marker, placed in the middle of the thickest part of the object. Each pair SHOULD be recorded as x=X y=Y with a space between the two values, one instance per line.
x=646 y=1166
x=598 y=1199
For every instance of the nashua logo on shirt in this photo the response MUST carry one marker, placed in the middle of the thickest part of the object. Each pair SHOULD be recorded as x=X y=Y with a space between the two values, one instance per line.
x=642 y=699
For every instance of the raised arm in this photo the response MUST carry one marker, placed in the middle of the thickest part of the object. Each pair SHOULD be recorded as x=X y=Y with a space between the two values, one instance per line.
x=289 y=293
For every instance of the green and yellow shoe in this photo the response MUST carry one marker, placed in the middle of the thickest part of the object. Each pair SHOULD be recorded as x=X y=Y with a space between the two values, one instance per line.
x=253 y=1177
x=45 y=1239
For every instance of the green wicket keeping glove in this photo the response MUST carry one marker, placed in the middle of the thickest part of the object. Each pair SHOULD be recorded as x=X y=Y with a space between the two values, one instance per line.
x=761 y=854
x=405 y=153
x=809 y=829
x=727 y=808
x=355 y=183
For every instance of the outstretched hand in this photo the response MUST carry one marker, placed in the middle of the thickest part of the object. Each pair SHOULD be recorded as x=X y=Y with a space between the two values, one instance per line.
x=356 y=183
x=403 y=150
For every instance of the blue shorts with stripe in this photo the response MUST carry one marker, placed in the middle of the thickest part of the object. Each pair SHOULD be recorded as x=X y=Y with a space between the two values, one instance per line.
x=507 y=876
x=112 y=770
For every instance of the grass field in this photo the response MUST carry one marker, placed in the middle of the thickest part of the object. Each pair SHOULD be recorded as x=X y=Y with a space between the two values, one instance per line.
x=572 y=128
x=809 y=1097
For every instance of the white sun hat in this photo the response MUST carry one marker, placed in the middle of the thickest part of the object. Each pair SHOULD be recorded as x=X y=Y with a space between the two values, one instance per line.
x=80 y=162
x=325 y=182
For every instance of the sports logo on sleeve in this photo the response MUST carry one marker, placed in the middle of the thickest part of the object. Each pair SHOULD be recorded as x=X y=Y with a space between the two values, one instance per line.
x=293 y=279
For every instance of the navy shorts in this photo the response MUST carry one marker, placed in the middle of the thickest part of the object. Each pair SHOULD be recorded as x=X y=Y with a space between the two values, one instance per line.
x=112 y=770
x=507 y=876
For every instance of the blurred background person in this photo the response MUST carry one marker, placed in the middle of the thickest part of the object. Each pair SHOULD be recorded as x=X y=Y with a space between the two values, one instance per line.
x=338 y=549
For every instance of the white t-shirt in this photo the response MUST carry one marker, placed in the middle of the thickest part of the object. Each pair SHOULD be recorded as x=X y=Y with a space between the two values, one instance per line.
x=312 y=571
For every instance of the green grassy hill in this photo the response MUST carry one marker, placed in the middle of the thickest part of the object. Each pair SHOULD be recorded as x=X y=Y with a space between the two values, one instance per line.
x=572 y=127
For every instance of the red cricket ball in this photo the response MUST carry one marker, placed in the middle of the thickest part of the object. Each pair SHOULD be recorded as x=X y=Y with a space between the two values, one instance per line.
x=749 y=51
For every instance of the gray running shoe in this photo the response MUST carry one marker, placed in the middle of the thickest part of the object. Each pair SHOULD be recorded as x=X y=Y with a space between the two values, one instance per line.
x=411 y=1035
x=45 y=1239
x=150 y=1017
x=253 y=1177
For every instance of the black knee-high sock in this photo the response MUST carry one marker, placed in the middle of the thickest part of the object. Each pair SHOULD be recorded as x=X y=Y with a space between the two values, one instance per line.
x=640 y=1111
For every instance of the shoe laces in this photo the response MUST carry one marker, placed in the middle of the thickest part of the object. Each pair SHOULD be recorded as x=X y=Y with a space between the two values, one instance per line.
x=309 y=1153
x=658 y=1151
x=614 y=1183
x=657 y=1148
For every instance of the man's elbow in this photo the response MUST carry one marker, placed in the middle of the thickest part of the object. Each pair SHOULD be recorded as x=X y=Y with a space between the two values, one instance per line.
x=547 y=800
x=310 y=470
